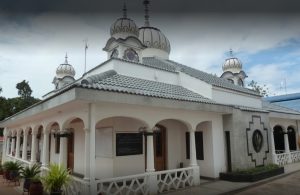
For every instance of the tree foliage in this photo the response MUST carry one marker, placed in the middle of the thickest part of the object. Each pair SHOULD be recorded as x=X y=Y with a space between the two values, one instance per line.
x=262 y=90
x=24 y=89
x=10 y=106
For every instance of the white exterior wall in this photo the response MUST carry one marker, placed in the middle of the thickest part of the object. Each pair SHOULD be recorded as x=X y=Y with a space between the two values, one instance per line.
x=235 y=98
x=153 y=52
x=195 y=85
x=127 y=165
x=283 y=122
x=175 y=145
x=79 y=137
x=110 y=165
x=105 y=67
x=144 y=72
x=54 y=157
x=219 y=150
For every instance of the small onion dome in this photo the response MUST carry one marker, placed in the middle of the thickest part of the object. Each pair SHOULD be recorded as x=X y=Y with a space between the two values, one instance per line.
x=124 y=27
x=65 y=69
x=153 y=38
x=233 y=65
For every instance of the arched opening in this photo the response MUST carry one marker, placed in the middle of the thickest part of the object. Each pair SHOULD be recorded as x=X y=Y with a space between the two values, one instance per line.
x=119 y=147
x=160 y=148
x=54 y=142
x=169 y=140
x=9 y=140
x=204 y=145
x=278 y=139
x=75 y=142
x=29 y=144
x=292 y=138
x=39 y=146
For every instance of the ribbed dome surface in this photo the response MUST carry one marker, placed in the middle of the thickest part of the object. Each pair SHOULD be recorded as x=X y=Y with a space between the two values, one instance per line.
x=154 y=38
x=65 y=69
x=124 y=25
x=232 y=64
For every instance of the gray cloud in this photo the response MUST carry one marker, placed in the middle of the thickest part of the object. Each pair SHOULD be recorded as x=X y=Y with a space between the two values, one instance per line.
x=163 y=6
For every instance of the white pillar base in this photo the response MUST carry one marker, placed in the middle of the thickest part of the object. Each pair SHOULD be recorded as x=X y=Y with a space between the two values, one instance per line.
x=153 y=185
x=196 y=175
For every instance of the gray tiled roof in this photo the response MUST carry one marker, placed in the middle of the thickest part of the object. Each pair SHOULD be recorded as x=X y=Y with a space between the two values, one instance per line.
x=125 y=84
x=276 y=108
x=208 y=78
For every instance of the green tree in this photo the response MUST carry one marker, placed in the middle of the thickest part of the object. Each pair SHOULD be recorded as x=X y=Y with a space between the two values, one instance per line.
x=262 y=90
x=10 y=106
x=24 y=89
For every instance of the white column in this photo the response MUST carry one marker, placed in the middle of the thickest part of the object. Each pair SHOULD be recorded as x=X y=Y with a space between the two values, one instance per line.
x=193 y=155
x=4 y=149
x=86 y=154
x=13 y=143
x=33 y=147
x=45 y=159
x=63 y=151
x=92 y=126
x=274 y=155
x=153 y=185
x=24 y=150
x=150 y=153
x=8 y=141
x=18 y=144
x=193 y=158
x=287 y=145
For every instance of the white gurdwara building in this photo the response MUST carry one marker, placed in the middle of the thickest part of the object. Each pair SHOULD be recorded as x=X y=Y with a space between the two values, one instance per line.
x=142 y=123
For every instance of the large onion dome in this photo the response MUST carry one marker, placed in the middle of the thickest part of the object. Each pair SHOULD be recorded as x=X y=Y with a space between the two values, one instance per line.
x=154 y=38
x=65 y=69
x=156 y=42
x=124 y=27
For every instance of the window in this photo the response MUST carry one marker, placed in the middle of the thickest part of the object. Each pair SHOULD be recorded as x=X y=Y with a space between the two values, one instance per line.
x=199 y=145
x=57 y=144
x=129 y=144
x=131 y=55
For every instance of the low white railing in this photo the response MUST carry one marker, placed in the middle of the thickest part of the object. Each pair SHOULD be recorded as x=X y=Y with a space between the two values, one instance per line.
x=174 y=179
x=141 y=183
x=295 y=156
x=133 y=184
x=283 y=158
x=77 y=187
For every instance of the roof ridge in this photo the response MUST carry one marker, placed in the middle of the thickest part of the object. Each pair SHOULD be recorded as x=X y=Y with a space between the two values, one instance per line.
x=97 y=77
x=213 y=80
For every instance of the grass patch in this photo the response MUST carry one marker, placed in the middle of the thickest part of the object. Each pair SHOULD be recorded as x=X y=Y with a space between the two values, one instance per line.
x=257 y=170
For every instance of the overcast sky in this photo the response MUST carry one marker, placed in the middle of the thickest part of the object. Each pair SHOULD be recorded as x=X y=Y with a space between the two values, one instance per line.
x=265 y=36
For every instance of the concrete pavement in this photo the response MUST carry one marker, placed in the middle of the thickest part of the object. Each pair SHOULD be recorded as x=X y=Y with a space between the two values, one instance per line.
x=8 y=188
x=288 y=182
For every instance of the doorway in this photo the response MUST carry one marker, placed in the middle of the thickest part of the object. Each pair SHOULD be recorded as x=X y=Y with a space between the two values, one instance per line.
x=160 y=149
x=70 y=161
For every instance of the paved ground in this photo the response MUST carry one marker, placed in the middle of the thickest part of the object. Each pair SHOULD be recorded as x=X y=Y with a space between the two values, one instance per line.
x=287 y=185
x=8 y=188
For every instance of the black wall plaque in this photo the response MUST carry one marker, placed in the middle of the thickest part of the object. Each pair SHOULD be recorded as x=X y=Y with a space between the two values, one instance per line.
x=129 y=144
x=257 y=140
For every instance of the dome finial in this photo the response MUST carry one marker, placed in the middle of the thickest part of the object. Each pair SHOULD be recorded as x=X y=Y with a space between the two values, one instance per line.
x=124 y=10
x=66 y=58
x=231 y=52
x=146 y=3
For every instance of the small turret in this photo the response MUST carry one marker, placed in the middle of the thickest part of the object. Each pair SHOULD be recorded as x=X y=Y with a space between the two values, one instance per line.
x=233 y=70
x=64 y=74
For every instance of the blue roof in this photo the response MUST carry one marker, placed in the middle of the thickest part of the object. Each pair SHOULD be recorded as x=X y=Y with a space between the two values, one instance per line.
x=291 y=101
x=280 y=98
